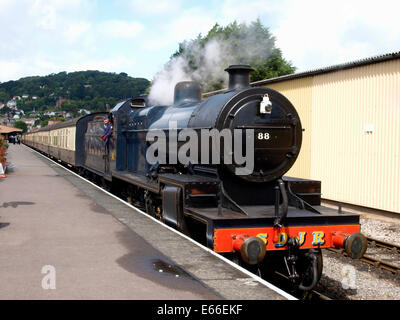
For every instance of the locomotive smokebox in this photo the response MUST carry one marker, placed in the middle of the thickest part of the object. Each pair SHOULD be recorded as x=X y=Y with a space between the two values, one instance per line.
x=187 y=92
x=239 y=76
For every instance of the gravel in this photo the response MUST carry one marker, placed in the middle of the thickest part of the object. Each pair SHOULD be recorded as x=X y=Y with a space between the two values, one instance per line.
x=381 y=230
x=344 y=278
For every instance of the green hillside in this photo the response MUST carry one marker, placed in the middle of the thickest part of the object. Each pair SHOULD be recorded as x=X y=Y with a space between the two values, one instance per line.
x=91 y=90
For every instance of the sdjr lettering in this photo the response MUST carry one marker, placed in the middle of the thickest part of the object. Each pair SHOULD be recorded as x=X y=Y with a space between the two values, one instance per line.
x=318 y=238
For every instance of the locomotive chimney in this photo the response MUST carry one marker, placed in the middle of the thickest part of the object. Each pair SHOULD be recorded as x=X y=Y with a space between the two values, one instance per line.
x=187 y=91
x=239 y=76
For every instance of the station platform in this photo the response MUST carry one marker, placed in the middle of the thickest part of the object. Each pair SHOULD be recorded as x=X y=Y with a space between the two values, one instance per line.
x=63 y=238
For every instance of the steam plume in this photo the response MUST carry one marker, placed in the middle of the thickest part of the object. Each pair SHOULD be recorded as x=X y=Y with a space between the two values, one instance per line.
x=250 y=46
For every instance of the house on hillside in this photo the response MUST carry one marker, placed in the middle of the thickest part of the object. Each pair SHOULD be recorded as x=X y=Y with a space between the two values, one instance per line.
x=83 y=111
x=49 y=113
x=30 y=121
x=12 y=104
x=51 y=122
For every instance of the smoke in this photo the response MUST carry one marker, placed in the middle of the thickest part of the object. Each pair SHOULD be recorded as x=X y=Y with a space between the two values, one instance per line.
x=162 y=88
x=206 y=63
x=210 y=70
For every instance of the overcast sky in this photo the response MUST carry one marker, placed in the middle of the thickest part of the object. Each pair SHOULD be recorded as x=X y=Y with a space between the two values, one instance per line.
x=39 y=37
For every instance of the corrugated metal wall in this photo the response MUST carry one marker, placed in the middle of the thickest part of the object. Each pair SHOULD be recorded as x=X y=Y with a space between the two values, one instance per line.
x=356 y=145
x=299 y=92
x=352 y=137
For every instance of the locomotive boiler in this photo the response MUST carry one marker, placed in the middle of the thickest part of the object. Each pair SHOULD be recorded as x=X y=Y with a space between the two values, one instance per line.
x=214 y=169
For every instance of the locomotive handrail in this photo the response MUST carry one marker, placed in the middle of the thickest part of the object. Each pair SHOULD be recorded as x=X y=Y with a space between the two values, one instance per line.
x=263 y=127
x=164 y=129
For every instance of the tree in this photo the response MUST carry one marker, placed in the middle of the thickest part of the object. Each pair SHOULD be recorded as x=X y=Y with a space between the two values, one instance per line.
x=80 y=88
x=3 y=96
x=5 y=110
x=71 y=106
x=251 y=44
x=21 y=125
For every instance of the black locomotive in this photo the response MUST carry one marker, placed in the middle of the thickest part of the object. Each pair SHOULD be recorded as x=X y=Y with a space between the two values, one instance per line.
x=200 y=181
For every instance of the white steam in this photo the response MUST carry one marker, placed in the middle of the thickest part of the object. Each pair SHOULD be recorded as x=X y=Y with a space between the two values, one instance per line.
x=211 y=69
x=162 y=88
x=210 y=60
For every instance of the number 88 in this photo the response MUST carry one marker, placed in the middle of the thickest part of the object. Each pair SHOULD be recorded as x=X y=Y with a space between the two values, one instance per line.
x=263 y=136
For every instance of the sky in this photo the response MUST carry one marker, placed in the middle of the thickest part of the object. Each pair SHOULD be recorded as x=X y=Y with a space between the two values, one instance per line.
x=40 y=37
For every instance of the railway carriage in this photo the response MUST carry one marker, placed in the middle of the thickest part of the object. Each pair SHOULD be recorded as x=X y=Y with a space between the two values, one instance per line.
x=63 y=141
x=260 y=218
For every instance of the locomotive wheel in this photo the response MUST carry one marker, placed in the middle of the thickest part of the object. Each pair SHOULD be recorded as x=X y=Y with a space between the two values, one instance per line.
x=152 y=205
x=105 y=184
x=148 y=204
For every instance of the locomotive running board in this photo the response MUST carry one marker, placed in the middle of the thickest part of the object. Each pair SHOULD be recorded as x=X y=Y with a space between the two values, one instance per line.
x=265 y=215
x=137 y=179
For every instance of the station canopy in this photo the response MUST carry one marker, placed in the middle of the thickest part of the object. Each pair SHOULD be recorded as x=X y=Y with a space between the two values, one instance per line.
x=9 y=130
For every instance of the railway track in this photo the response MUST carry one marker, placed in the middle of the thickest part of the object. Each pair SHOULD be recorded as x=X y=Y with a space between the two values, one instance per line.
x=379 y=263
x=379 y=243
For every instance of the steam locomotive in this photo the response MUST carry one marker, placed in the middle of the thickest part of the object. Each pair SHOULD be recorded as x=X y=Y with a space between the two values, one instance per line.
x=184 y=164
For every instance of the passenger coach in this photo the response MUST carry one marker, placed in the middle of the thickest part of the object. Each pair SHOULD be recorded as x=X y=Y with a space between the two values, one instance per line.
x=60 y=141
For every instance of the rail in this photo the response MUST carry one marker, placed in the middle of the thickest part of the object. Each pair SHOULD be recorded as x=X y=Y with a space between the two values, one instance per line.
x=394 y=248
